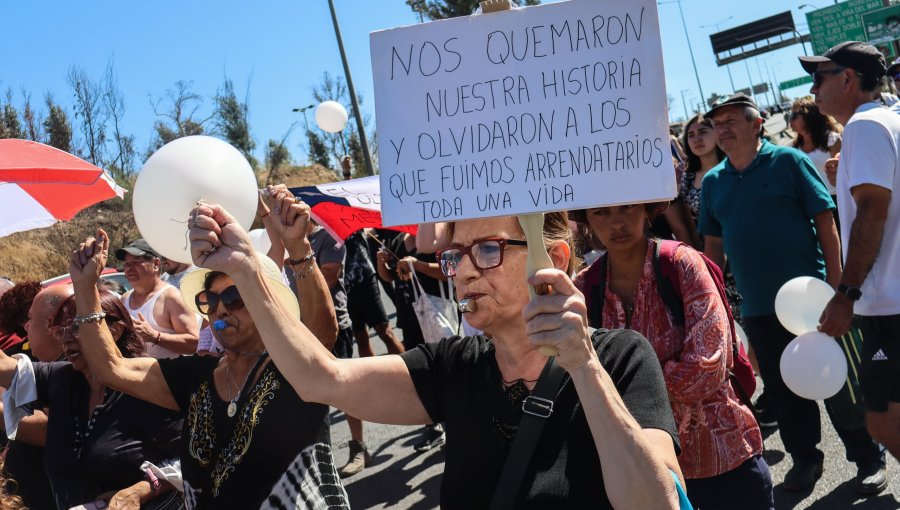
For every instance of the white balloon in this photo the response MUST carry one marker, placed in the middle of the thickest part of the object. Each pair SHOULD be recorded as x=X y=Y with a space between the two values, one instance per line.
x=813 y=366
x=331 y=116
x=800 y=302
x=742 y=336
x=178 y=175
x=260 y=240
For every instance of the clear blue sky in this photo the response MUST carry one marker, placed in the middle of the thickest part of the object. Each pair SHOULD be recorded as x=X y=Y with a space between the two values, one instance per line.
x=283 y=47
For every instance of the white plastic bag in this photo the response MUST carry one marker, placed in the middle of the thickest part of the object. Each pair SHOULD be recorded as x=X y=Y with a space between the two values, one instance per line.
x=437 y=316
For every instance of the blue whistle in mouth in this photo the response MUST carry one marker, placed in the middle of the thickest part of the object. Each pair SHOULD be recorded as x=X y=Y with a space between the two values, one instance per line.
x=220 y=325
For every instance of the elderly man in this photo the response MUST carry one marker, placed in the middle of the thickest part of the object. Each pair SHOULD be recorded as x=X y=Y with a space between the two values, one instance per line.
x=25 y=455
x=767 y=209
x=165 y=324
x=43 y=346
x=846 y=80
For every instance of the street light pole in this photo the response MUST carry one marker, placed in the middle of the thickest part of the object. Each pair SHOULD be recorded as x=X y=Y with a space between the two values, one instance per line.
x=303 y=111
x=684 y=104
x=354 y=102
x=690 y=50
x=693 y=62
x=727 y=66
x=752 y=92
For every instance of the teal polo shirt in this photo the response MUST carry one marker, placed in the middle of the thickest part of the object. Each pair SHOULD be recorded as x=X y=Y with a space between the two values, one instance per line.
x=764 y=216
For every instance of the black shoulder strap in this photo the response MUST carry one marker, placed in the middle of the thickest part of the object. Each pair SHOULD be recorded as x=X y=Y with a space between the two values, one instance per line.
x=597 y=294
x=536 y=408
x=664 y=269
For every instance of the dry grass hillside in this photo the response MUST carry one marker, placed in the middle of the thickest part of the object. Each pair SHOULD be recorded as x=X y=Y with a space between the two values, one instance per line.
x=41 y=254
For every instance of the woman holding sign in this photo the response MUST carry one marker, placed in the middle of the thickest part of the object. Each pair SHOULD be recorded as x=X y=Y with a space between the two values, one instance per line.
x=611 y=411
x=634 y=286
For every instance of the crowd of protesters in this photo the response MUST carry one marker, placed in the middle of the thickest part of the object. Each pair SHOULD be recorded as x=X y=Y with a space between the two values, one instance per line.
x=209 y=386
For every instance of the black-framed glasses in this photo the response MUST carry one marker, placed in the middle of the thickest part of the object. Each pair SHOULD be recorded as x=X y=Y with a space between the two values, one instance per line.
x=484 y=254
x=818 y=77
x=207 y=301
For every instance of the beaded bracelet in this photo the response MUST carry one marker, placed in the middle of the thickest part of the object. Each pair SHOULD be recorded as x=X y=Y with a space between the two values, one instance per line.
x=297 y=262
x=91 y=317
x=308 y=271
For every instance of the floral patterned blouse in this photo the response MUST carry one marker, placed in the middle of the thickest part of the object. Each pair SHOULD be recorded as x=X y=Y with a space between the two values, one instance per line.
x=717 y=432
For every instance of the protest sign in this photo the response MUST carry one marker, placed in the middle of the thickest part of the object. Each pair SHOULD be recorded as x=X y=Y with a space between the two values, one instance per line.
x=545 y=108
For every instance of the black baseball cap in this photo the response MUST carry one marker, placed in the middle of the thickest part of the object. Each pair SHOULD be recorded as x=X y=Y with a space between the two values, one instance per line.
x=894 y=67
x=739 y=99
x=138 y=248
x=859 y=56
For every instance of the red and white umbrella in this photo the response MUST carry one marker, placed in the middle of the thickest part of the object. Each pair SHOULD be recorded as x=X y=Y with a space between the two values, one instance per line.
x=41 y=185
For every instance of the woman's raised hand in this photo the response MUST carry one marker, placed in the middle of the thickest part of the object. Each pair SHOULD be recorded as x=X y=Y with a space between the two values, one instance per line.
x=292 y=216
x=218 y=241
x=87 y=261
x=559 y=319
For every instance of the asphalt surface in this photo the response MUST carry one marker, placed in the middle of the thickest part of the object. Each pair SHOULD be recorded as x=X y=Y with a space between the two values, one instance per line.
x=399 y=477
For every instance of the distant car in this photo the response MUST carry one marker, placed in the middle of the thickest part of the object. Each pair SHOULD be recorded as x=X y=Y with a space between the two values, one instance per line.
x=110 y=273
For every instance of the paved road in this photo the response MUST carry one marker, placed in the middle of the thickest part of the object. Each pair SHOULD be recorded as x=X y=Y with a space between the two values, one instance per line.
x=401 y=478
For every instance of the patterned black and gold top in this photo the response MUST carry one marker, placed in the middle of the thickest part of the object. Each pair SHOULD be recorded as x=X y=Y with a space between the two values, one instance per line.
x=274 y=453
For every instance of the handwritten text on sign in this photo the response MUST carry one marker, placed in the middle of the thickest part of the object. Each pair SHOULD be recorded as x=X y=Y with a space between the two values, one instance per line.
x=545 y=108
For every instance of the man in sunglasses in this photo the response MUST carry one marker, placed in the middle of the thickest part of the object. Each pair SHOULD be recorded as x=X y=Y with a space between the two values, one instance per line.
x=765 y=207
x=868 y=174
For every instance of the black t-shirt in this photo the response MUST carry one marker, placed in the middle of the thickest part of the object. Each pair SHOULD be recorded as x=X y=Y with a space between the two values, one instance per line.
x=358 y=268
x=24 y=463
x=86 y=456
x=459 y=383
x=327 y=251
x=276 y=450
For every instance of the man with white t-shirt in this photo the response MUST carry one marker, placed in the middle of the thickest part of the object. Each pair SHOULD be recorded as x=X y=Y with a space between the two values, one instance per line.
x=846 y=80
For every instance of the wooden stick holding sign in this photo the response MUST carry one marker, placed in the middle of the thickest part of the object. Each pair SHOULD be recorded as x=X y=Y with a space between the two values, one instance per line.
x=532 y=224
x=538 y=258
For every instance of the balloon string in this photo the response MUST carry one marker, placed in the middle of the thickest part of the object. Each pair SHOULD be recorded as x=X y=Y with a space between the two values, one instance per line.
x=187 y=232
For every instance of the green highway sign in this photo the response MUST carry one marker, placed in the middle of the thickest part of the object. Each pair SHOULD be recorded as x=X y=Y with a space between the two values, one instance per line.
x=796 y=82
x=838 y=23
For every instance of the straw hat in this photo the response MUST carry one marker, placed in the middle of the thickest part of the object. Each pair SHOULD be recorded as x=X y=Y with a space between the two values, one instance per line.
x=192 y=284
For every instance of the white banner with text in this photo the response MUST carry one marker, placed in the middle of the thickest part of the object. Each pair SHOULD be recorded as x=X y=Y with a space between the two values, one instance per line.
x=546 y=108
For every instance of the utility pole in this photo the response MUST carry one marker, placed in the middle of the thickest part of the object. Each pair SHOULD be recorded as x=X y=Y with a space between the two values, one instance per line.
x=727 y=66
x=370 y=170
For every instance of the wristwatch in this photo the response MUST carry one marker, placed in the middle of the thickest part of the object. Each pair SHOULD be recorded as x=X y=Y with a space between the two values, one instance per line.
x=852 y=293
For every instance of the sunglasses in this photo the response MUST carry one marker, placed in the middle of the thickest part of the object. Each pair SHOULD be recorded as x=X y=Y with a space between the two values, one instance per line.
x=485 y=254
x=895 y=77
x=207 y=301
x=818 y=77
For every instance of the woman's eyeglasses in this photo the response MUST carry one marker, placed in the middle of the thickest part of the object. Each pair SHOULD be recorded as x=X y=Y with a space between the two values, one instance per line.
x=484 y=254
x=207 y=301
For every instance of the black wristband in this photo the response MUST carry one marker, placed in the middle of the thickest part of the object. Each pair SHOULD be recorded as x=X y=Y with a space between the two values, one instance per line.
x=297 y=262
